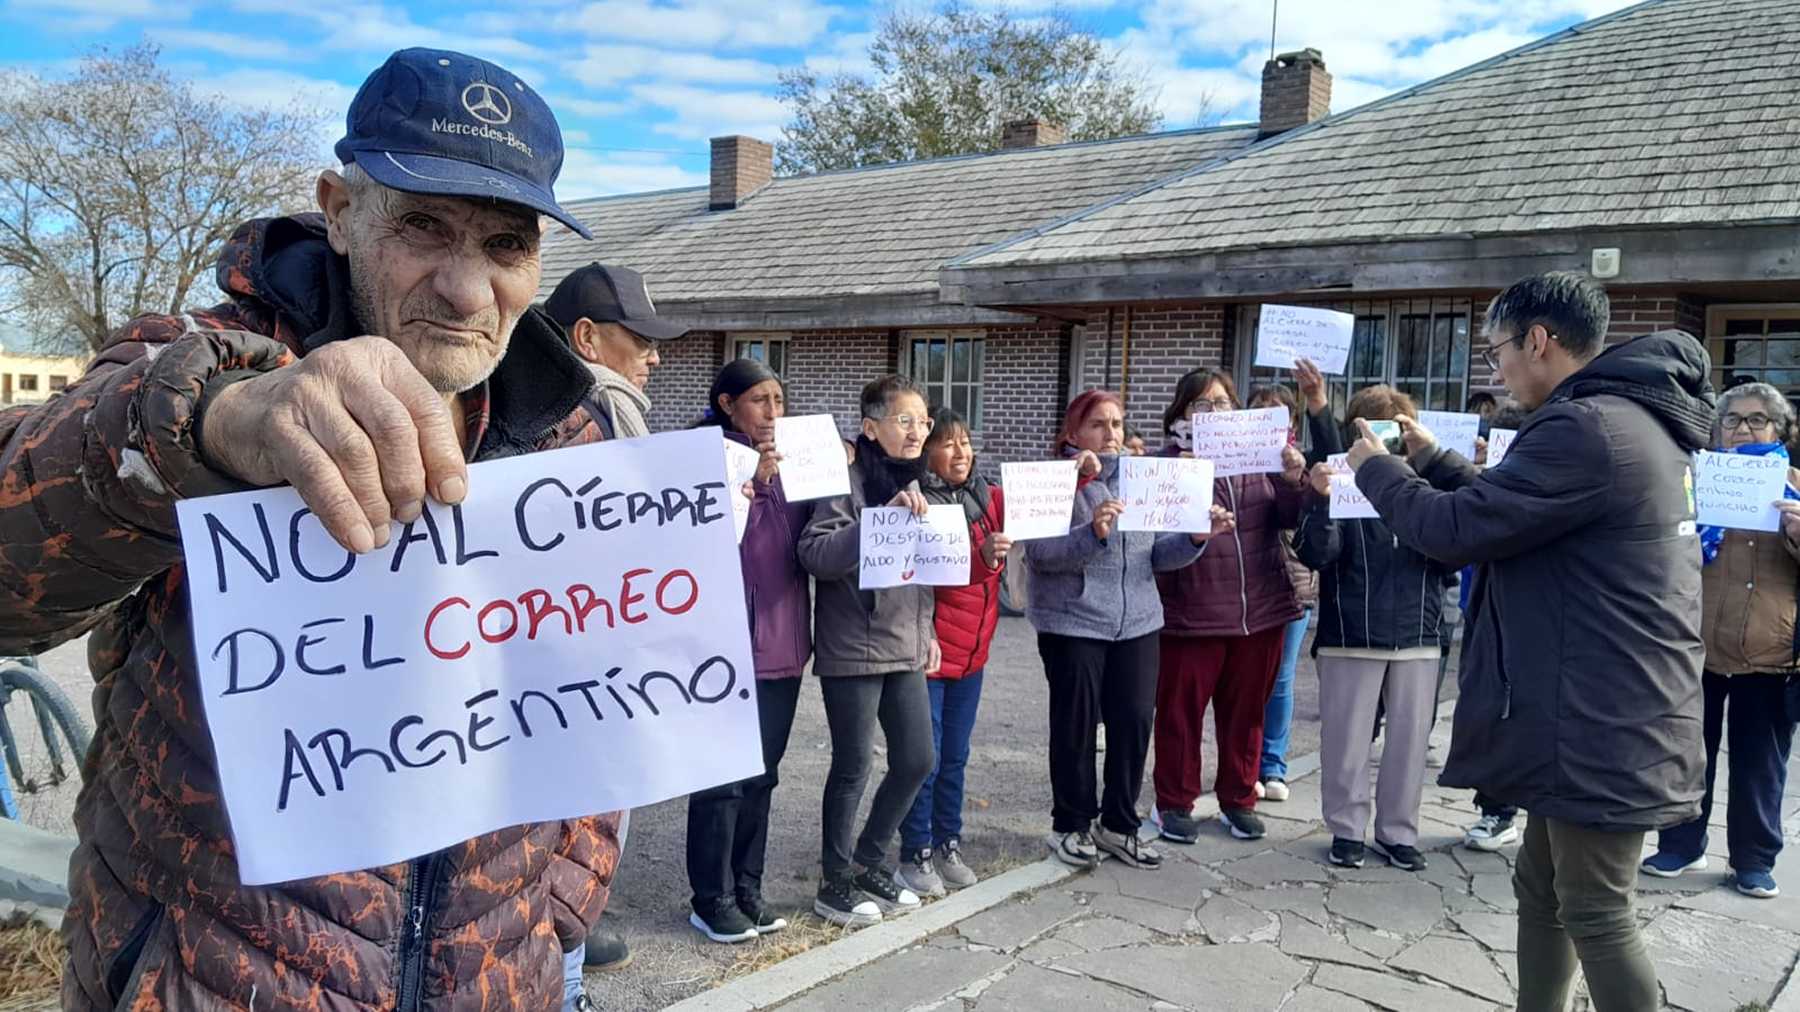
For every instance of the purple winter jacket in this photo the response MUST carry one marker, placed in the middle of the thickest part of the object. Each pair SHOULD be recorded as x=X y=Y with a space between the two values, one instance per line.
x=776 y=594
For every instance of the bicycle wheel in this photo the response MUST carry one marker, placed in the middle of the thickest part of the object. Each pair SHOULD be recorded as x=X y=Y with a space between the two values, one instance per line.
x=45 y=741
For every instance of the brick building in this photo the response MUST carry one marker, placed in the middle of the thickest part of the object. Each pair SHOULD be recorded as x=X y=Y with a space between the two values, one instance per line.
x=1655 y=147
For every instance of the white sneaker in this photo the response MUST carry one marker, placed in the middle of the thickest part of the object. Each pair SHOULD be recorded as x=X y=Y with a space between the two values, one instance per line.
x=1434 y=757
x=1261 y=791
x=1274 y=789
x=1490 y=833
x=1075 y=848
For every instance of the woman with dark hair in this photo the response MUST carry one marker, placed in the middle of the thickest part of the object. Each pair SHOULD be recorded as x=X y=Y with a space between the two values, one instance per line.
x=873 y=651
x=1095 y=608
x=931 y=837
x=1226 y=617
x=728 y=826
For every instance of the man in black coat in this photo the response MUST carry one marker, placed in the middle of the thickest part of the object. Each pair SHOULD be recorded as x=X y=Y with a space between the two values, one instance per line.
x=1580 y=679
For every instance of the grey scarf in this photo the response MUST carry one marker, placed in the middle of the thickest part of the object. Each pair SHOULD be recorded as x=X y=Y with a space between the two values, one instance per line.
x=627 y=403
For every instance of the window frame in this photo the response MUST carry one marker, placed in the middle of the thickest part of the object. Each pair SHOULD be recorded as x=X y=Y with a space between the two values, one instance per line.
x=1386 y=318
x=28 y=383
x=944 y=391
x=767 y=342
x=1718 y=317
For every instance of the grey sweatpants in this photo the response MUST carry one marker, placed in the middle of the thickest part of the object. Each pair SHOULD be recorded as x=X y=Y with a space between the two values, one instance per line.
x=1348 y=691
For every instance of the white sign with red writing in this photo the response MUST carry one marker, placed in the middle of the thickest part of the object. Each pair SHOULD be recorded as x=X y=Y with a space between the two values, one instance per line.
x=1039 y=497
x=1347 y=501
x=1286 y=334
x=582 y=609
x=1499 y=441
x=899 y=547
x=813 y=465
x=1242 y=442
x=1166 y=494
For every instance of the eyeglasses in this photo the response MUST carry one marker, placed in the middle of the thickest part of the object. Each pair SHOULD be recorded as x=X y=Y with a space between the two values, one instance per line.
x=1756 y=422
x=1205 y=407
x=907 y=422
x=1491 y=354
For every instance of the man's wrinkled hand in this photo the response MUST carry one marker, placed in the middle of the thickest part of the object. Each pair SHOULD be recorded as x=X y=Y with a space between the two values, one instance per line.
x=352 y=427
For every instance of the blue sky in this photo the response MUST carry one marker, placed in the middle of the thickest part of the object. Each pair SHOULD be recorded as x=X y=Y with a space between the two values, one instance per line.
x=639 y=85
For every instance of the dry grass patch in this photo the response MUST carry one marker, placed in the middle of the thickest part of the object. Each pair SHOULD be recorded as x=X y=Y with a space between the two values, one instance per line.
x=804 y=932
x=31 y=961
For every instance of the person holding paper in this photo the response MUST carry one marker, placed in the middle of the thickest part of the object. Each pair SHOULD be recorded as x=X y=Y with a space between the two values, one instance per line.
x=1097 y=614
x=1747 y=591
x=873 y=649
x=1380 y=639
x=363 y=355
x=1581 y=667
x=931 y=837
x=728 y=826
x=1227 y=616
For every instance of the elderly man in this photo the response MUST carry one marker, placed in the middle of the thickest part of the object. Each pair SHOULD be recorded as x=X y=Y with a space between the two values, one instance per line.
x=1580 y=681
x=365 y=356
x=612 y=324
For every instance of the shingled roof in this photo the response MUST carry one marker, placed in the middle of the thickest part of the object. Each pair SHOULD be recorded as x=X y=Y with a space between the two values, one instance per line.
x=1672 y=113
x=882 y=230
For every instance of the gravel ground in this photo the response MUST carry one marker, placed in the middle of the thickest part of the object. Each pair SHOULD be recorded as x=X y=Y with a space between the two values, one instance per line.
x=1007 y=816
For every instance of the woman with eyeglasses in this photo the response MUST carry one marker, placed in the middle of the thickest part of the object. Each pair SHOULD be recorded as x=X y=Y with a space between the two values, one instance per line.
x=1225 y=618
x=1747 y=622
x=871 y=650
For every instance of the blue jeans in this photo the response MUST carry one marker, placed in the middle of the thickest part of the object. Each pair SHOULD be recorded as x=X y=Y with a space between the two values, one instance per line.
x=936 y=815
x=572 y=976
x=1278 y=713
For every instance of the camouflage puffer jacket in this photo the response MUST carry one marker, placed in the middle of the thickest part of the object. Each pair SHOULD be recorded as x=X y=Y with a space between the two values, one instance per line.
x=157 y=917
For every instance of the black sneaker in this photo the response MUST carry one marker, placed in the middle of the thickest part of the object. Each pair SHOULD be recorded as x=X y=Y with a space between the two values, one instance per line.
x=841 y=902
x=1401 y=856
x=1127 y=848
x=1178 y=827
x=1346 y=853
x=606 y=951
x=1243 y=823
x=766 y=922
x=891 y=896
x=724 y=923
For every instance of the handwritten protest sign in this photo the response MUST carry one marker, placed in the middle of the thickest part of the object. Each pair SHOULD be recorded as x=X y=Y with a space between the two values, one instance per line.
x=1738 y=490
x=1286 y=334
x=1166 y=494
x=1454 y=430
x=1241 y=442
x=740 y=467
x=582 y=610
x=1499 y=441
x=1347 y=501
x=812 y=458
x=1039 y=498
x=899 y=547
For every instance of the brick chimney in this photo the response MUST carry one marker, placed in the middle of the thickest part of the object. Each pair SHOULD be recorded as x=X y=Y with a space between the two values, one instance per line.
x=1296 y=90
x=740 y=167
x=1031 y=133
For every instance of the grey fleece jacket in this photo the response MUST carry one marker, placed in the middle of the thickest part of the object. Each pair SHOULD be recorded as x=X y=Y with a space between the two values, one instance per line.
x=856 y=631
x=1083 y=586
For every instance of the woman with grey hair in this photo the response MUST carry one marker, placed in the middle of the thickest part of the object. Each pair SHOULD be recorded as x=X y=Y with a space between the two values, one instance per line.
x=1748 y=601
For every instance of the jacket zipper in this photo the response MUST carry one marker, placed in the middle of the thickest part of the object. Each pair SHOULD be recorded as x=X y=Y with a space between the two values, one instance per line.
x=1238 y=541
x=412 y=944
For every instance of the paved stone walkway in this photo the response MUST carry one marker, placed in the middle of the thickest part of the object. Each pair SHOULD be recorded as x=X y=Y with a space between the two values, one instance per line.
x=1268 y=924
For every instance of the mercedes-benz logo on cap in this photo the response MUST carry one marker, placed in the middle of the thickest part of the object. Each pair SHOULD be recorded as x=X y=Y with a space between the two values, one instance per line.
x=487 y=103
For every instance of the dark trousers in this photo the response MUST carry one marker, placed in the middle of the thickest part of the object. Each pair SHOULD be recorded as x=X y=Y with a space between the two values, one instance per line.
x=728 y=826
x=1575 y=887
x=1094 y=681
x=936 y=815
x=1233 y=673
x=1761 y=739
x=854 y=705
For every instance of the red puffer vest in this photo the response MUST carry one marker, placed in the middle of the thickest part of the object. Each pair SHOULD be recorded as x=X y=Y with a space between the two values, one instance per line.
x=967 y=616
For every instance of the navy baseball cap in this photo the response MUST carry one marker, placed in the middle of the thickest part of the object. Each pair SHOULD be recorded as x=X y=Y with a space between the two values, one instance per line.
x=607 y=294
x=434 y=121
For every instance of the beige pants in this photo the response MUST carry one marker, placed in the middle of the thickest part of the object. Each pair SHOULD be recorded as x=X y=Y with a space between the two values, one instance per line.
x=1348 y=691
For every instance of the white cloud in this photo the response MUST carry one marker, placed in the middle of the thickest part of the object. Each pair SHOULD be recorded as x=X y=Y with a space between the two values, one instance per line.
x=355 y=26
x=700 y=113
x=75 y=17
x=846 y=53
x=602 y=65
x=182 y=40
x=586 y=174
x=567 y=105
x=701 y=24
x=265 y=88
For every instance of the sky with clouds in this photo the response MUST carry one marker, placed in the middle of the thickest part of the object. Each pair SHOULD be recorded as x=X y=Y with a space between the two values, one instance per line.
x=640 y=85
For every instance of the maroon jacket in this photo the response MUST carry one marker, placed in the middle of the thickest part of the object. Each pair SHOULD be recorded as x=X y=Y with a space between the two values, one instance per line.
x=1240 y=585
x=967 y=616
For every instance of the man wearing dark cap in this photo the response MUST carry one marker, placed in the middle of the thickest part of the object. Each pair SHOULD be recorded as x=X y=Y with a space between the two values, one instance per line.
x=365 y=356
x=612 y=324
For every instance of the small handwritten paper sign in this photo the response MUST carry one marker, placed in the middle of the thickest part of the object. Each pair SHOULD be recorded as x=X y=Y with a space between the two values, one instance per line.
x=1347 y=501
x=1040 y=498
x=1454 y=430
x=1739 y=490
x=812 y=458
x=1286 y=334
x=1499 y=441
x=582 y=609
x=899 y=547
x=740 y=466
x=1241 y=442
x=1166 y=494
